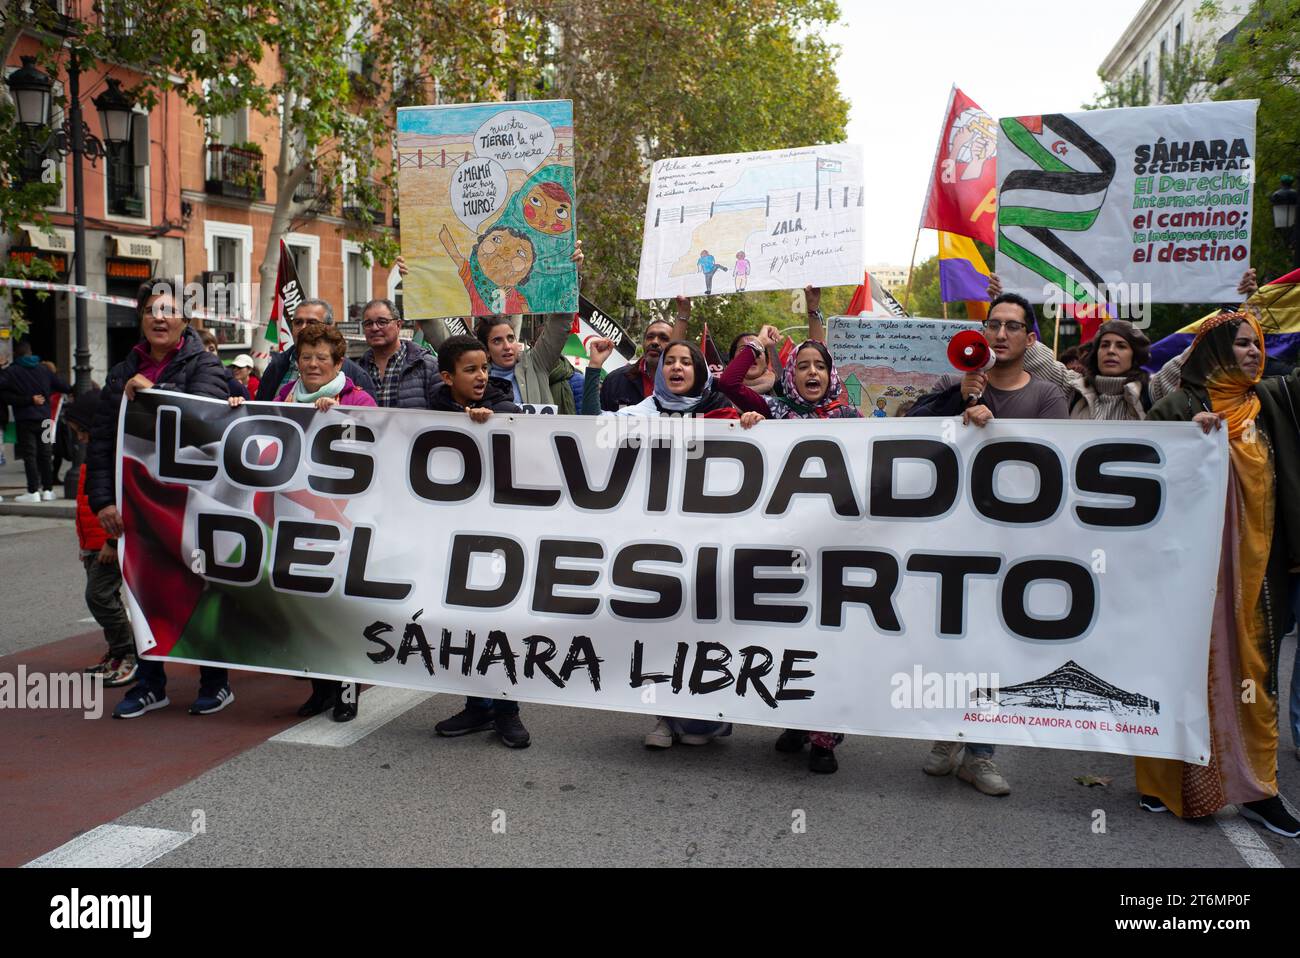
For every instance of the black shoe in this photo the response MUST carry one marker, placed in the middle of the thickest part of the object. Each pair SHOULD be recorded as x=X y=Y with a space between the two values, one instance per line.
x=822 y=760
x=345 y=709
x=512 y=730
x=791 y=740
x=323 y=695
x=1152 y=804
x=468 y=719
x=1272 y=814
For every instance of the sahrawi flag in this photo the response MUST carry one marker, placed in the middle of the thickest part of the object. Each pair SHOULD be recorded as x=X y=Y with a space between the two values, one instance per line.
x=288 y=294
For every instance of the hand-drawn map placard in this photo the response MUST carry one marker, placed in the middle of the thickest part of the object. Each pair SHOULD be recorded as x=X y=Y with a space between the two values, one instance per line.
x=887 y=363
x=488 y=204
x=781 y=219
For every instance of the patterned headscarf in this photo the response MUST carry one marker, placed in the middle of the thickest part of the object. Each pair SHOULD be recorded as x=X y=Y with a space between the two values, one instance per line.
x=785 y=402
x=1212 y=366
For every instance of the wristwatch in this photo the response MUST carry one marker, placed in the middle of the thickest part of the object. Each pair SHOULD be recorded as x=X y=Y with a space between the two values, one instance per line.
x=815 y=314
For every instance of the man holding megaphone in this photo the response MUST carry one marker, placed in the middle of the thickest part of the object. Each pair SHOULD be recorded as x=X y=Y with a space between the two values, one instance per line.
x=994 y=382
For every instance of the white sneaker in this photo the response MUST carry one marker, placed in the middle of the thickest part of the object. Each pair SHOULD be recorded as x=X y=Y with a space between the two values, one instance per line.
x=983 y=774
x=47 y=495
x=28 y=497
x=661 y=736
x=943 y=758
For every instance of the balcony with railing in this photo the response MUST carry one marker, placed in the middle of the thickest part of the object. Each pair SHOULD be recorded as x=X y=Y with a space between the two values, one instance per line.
x=313 y=191
x=235 y=171
x=355 y=206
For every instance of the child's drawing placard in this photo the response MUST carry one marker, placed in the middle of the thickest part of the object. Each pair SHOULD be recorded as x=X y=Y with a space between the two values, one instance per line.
x=488 y=204
x=780 y=219
x=890 y=363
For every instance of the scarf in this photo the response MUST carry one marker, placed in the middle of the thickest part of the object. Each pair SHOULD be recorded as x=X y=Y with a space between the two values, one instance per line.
x=786 y=403
x=1212 y=365
x=29 y=362
x=1110 y=400
x=500 y=372
x=668 y=401
x=331 y=389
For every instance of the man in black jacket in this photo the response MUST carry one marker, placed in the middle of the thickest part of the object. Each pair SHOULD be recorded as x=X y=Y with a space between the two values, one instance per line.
x=27 y=386
x=283 y=367
x=405 y=376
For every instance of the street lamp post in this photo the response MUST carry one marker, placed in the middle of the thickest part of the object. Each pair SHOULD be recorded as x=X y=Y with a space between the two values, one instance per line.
x=1286 y=210
x=31 y=91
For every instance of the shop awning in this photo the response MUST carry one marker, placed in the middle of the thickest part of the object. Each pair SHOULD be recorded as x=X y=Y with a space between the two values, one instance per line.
x=60 y=242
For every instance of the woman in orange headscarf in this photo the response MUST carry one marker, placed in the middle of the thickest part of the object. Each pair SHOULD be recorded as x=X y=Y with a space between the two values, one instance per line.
x=1222 y=389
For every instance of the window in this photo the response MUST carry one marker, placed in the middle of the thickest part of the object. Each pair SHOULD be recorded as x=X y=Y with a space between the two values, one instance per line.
x=1164 y=65
x=354 y=49
x=304 y=248
x=230 y=250
x=356 y=280
x=1146 y=73
x=1178 y=34
x=126 y=175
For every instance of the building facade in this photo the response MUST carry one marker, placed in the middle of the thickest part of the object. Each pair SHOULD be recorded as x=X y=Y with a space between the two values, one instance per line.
x=188 y=199
x=1157 y=34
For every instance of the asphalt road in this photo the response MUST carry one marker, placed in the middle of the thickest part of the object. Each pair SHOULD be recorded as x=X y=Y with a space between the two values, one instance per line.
x=586 y=792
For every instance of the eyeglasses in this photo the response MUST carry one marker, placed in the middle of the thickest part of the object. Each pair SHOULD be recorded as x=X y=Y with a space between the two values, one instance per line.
x=377 y=323
x=992 y=326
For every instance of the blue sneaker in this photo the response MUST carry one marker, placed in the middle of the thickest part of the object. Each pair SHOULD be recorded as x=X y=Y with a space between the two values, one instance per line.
x=138 y=701
x=209 y=702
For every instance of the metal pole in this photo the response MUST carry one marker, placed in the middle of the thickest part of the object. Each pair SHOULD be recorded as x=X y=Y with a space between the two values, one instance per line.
x=82 y=369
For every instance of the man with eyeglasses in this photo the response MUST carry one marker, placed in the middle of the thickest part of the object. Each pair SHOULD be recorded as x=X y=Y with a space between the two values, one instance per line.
x=1005 y=391
x=283 y=367
x=405 y=375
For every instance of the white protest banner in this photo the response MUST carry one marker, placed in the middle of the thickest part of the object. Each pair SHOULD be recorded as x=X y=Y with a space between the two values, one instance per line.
x=900 y=577
x=1138 y=205
x=885 y=362
x=780 y=219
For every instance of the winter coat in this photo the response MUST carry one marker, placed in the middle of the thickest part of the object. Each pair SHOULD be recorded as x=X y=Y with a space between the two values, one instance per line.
x=191 y=370
x=280 y=364
x=21 y=381
x=417 y=381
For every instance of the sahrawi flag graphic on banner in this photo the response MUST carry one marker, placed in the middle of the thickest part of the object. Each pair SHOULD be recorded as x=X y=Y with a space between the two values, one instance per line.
x=1127 y=207
x=288 y=294
x=963 y=184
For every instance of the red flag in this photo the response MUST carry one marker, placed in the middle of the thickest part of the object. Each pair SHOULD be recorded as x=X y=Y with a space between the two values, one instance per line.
x=963 y=189
x=787 y=350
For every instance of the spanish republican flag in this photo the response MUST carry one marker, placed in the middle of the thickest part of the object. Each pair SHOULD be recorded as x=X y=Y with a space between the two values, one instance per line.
x=1277 y=304
x=962 y=196
x=963 y=275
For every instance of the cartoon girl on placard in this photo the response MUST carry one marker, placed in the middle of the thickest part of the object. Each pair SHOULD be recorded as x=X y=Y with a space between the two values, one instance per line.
x=499 y=265
x=542 y=210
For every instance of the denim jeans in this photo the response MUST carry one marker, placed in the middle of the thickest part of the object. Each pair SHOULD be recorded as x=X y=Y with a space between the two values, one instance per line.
x=500 y=706
x=978 y=750
x=151 y=676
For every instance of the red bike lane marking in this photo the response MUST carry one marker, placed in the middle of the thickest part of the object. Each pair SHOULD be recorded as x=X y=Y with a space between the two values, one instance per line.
x=62 y=774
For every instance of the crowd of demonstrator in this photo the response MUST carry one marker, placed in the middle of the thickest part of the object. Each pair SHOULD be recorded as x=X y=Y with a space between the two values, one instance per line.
x=1218 y=382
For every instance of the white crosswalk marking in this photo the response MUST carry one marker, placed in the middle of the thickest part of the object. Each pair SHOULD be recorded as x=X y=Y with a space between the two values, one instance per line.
x=113 y=846
x=378 y=706
x=1248 y=844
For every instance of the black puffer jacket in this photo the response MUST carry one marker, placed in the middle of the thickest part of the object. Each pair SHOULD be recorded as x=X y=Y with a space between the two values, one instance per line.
x=192 y=370
x=419 y=378
x=623 y=387
x=275 y=371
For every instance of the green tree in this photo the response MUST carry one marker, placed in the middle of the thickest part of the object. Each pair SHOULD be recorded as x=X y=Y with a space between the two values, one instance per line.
x=1261 y=62
x=660 y=78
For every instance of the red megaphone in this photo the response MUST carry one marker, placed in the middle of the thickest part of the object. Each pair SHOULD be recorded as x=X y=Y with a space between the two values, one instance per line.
x=969 y=352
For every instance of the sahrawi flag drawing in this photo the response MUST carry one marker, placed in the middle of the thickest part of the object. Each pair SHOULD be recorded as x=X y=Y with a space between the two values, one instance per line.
x=288 y=294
